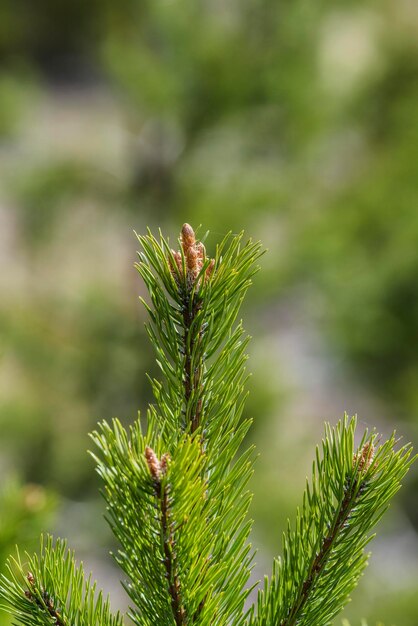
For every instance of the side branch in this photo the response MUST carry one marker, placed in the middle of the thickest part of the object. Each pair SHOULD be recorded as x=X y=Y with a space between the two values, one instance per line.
x=169 y=559
x=351 y=494
x=161 y=490
x=46 y=603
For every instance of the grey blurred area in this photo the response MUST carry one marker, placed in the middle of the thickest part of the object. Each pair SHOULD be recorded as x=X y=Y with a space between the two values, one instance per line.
x=295 y=121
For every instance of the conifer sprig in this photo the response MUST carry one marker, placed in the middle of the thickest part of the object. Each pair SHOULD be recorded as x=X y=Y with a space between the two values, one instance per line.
x=51 y=589
x=324 y=553
x=195 y=303
x=158 y=511
x=197 y=506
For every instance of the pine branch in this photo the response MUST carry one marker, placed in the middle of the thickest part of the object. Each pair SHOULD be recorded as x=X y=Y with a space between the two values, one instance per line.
x=159 y=511
x=196 y=300
x=191 y=303
x=52 y=589
x=324 y=556
x=317 y=567
x=198 y=408
x=170 y=561
x=161 y=491
x=192 y=374
x=45 y=603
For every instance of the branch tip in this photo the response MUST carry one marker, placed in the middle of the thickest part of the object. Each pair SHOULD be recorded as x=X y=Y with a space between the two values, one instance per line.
x=195 y=256
x=156 y=467
x=363 y=458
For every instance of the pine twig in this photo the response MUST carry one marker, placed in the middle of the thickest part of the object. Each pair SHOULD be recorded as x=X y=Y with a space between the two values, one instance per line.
x=351 y=494
x=324 y=555
x=189 y=265
x=161 y=491
x=43 y=600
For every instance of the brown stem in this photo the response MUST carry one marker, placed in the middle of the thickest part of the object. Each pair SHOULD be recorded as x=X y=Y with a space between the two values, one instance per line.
x=192 y=379
x=322 y=557
x=174 y=587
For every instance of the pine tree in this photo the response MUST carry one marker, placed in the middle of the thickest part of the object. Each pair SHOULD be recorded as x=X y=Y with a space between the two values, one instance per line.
x=175 y=483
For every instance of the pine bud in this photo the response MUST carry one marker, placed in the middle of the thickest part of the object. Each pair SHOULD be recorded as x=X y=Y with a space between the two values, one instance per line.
x=364 y=458
x=153 y=463
x=201 y=251
x=191 y=257
x=157 y=468
x=177 y=259
x=31 y=579
x=195 y=256
x=188 y=238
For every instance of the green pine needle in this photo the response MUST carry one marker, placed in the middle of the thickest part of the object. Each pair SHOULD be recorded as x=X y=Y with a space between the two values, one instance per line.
x=324 y=551
x=51 y=589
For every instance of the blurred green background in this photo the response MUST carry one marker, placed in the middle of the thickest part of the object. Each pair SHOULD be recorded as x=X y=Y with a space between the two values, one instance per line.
x=296 y=121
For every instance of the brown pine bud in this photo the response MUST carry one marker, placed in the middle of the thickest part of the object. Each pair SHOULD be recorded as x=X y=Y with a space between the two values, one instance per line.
x=191 y=257
x=195 y=257
x=201 y=252
x=30 y=578
x=178 y=262
x=188 y=238
x=364 y=458
x=153 y=463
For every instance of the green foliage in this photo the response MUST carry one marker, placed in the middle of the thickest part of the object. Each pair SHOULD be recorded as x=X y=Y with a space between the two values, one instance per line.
x=51 y=589
x=363 y=623
x=150 y=519
x=323 y=554
x=175 y=485
x=24 y=511
x=68 y=360
x=196 y=421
